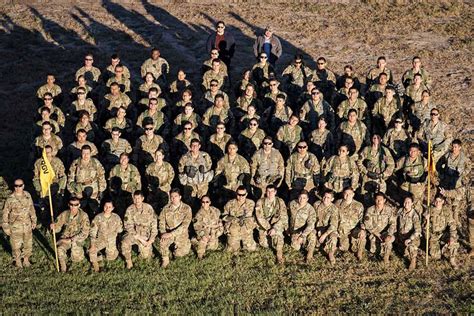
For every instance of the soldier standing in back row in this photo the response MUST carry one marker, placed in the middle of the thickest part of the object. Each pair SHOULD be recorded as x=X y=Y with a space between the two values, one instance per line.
x=19 y=220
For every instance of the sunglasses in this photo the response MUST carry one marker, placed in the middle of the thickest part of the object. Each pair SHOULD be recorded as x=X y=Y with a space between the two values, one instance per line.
x=89 y=59
x=268 y=144
x=263 y=57
x=253 y=124
x=18 y=185
x=302 y=147
x=241 y=194
x=81 y=93
x=398 y=122
x=213 y=85
x=148 y=128
x=187 y=128
x=74 y=204
x=434 y=114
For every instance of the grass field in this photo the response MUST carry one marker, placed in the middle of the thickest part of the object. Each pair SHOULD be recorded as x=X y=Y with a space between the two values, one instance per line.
x=222 y=283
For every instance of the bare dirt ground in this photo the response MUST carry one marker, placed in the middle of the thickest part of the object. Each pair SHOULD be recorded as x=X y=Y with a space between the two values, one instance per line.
x=53 y=37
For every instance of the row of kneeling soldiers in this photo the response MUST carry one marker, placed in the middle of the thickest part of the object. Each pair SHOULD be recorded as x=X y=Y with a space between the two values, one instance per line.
x=328 y=225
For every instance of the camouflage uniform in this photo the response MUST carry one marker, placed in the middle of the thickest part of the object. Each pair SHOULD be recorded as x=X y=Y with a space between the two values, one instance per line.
x=145 y=149
x=112 y=150
x=217 y=145
x=83 y=71
x=289 y=136
x=302 y=221
x=384 y=111
x=140 y=226
x=124 y=83
x=302 y=171
x=442 y=229
x=340 y=173
x=346 y=105
x=377 y=225
x=156 y=67
x=75 y=232
x=375 y=166
x=19 y=219
x=397 y=141
x=158 y=119
x=327 y=220
x=59 y=170
x=231 y=170
x=54 y=125
x=56 y=114
x=272 y=215
x=207 y=223
x=440 y=136
x=267 y=169
x=125 y=125
x=420 y=112
x=88 y=106
x=209 y=75
x=409 y=228
x=375 y=72
x=111 y=70
x=130 y=177
x=296 y=75
x=213 y=115
x=54 y=141
x=239 y=223
x=413 y=176
x=408 y=76
x=414 y=93
x=116 y=101
x=249 y=142
x=199 y=183
x=208 y=65
x=83 y=176
x=159 y=177
x=350 y=216
x=175 y=220
x=55 y=90
x=354 y=136
x=183 y=142
x=310 y=113
x=104 y=232
x=322 y=143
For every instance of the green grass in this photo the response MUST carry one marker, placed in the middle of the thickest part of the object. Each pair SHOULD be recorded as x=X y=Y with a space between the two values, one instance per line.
x=222 y=283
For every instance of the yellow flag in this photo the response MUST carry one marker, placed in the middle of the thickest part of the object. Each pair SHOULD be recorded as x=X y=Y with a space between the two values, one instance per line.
x=46 y=174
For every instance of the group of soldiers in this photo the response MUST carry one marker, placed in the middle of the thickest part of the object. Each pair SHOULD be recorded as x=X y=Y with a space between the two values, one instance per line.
x=310 y=158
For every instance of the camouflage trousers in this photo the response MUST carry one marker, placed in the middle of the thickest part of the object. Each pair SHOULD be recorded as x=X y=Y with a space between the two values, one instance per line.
x=211 y=244
x=308 y=242
x=110 y=246
x=417 y=189
x=21 y=239
x=411 y=251
x=181 y=243
x=77 y=250
x=330 y=243
x=277 y=240
x=375 y=242
x=237 y=234
x=128 y=241
x=447 y=250
x=349 y=240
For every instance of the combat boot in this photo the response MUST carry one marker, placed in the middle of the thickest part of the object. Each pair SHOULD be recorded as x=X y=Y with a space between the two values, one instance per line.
x=129 y=263
x=18 y=264
x=332 y=259
x=452 y=262
x=95 y=266
x=360 y=254
x=166 y=262
x=412 y=264
x=279 y=256
x=386 y=257
x=26 y=262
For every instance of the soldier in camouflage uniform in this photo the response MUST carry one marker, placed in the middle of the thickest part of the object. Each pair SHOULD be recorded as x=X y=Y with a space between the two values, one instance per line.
x=297 y=75
x=353 y=102
x=409 y=231
x=218 y=142
x=375 y=72
x=413 y=93
x=86 y=179
x=114 y=100
x=195 y=171
x=174 y=223
x=55 y=112
x=250 y=139
x=47 y=138
x=76 y=230
x=216 y=73
x=83 y=103
x=141 y=228
x=302 y=171
x=301 y=225
x=18 y=222
x=454 y=170
x=90 y=73
x=315 y=108
x=157 y=65
x=417 y=68
x=272 y=221
x=57 y=186
x=113 y=147
x=289 y=135
x=119 y=77
x=376 y=165
x=182 y=142
x=74 y=149
x=379 y=226
x=327 y=220
x=233 y=167
x=322 y=142
x=146 y=146
x=267 y=167
x=411 y=169
x=239 y=222
x=49 y=87
x=350 y=216
x=126 y=174
x=105 y=228
x=353 y=133
x=340 y=171
x=397 y=139
x=443 y=230
x=438 y=132
x=208 y=227
x=152 y=113
x=159 y=175
x=384 y=110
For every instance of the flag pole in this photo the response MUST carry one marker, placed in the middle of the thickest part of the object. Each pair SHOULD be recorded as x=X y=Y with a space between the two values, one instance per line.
x=428 y=202
x=53 y=228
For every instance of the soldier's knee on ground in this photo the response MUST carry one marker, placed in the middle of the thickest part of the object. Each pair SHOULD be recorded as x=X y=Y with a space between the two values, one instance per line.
x=182 y=247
